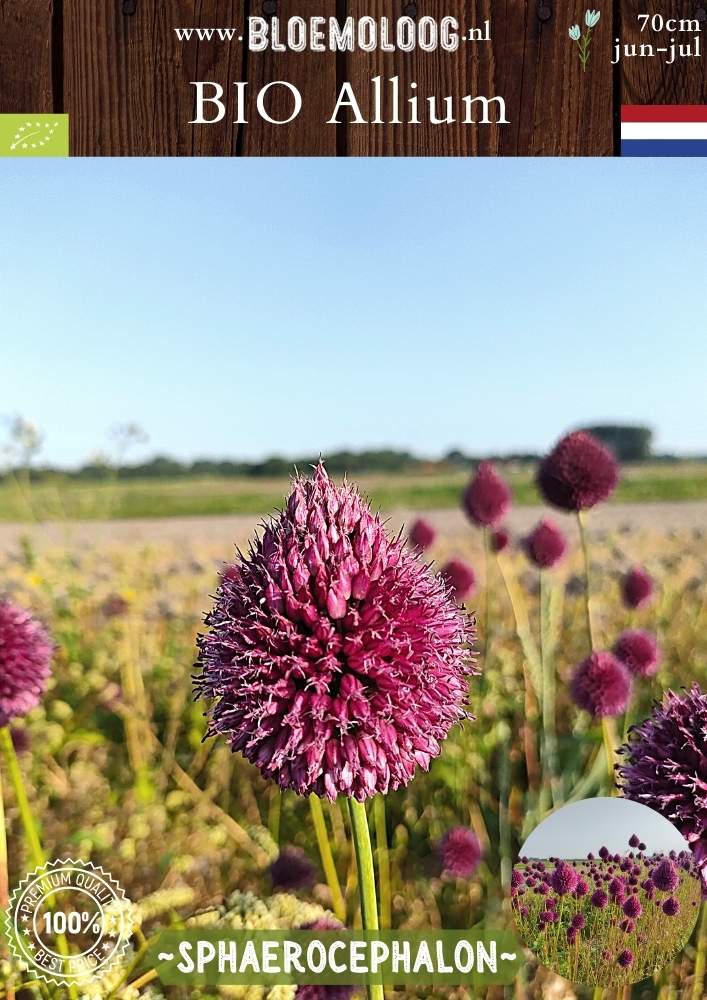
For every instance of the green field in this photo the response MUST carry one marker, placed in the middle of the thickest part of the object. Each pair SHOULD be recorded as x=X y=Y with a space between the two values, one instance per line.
x=67 y=499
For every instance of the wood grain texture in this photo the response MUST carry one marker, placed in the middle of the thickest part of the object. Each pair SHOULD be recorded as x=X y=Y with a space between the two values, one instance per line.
x=26 y=56
x=649 y=80
x=127 y=78
x=120 y=72
x=313 y=73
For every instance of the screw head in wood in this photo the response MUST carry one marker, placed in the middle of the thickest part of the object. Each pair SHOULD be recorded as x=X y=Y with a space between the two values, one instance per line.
x=544 y=11
x=269 y=7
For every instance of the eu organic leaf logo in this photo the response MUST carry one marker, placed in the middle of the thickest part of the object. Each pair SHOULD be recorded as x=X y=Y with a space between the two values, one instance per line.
x=33 y=135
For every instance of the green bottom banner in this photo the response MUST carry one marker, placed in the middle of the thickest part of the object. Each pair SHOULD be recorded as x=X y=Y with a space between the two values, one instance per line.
x=331 y=957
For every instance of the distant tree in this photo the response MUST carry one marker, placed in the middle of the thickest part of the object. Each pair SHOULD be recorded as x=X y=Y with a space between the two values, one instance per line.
x=628 y=443
x=457 y=457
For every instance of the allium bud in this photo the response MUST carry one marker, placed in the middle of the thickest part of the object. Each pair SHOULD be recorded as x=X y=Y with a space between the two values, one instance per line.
x=637 y=588
x=335 y=661
x=487 y=499
x=545 y=545
x=578 y=473
x=422 y=535
x=292 y=870
x=564 y=879
x=460 y=852
x=640 y=652
x=601 y=685
x=665 y=876
x=499 y=540
x=460 y=579
x=25 y=661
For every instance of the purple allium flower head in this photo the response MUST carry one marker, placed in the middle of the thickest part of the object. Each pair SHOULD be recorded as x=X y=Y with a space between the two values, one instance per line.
x=292 y=869
x=421 y=534
x=517 y=878
x=564 y=879
x=637 y=588
x=666 y=766
x=499 y=540
x=487 y=498
x=634 y=840
x=336 y=662
x=665 y=876
x=578 y=473
x=21 y=739
x=671 y=906
x=600 y=899
x=114 y=606
x=640 y=652
x=601 y=685
x=582 y=888
x=572 y=934
x=460 y=852
x=545 y=545
x=603 y=853
x=25 y=661
x=579 y=921
x=632 y=907
x=625 y=958
x=627 y=925
x=460 y=578
x=617 y=888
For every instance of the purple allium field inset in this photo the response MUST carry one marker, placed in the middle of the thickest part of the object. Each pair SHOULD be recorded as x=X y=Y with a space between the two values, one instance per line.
x=607 y=919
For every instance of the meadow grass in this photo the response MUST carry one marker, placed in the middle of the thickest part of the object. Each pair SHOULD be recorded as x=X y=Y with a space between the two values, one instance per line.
x=61 y=498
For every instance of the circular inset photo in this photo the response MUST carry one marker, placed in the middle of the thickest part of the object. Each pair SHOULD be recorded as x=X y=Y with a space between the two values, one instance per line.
x=605 y=892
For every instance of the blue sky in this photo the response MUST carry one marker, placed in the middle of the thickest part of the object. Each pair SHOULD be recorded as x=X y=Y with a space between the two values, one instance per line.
x=252 y=307
x=577 y=829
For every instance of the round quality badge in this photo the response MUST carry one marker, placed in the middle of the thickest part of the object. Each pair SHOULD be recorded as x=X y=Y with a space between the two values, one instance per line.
x=68 y=921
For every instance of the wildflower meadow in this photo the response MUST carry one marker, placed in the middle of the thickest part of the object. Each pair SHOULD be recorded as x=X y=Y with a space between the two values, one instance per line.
x=608 y=919
x=341 y=717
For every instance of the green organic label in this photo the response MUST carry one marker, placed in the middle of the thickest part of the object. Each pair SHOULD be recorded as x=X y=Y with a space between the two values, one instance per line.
x=34 y=135
x=209 y=957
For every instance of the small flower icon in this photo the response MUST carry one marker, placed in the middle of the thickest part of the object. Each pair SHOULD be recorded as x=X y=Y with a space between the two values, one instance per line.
x=583 y=41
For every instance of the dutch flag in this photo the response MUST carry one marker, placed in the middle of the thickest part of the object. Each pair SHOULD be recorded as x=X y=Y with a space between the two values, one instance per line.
x=664 y=130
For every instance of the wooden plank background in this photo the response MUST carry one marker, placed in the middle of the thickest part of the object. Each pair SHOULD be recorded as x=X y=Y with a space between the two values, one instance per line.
x=117 y=68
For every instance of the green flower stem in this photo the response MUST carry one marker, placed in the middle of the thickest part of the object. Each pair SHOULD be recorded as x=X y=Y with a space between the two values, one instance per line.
x=608 y=732
x=487 y=598
x=366 y=879
x=607 y=726
x=587 y=576
x=383 y=859
x=30 y=828
x=274 y=812
x=28 y=824
x=4 y=879
x=337 y=899
x=698 y=980
x=549 y=731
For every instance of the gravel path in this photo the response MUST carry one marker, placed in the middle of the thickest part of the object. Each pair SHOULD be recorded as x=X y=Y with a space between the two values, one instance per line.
x=652 y=517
